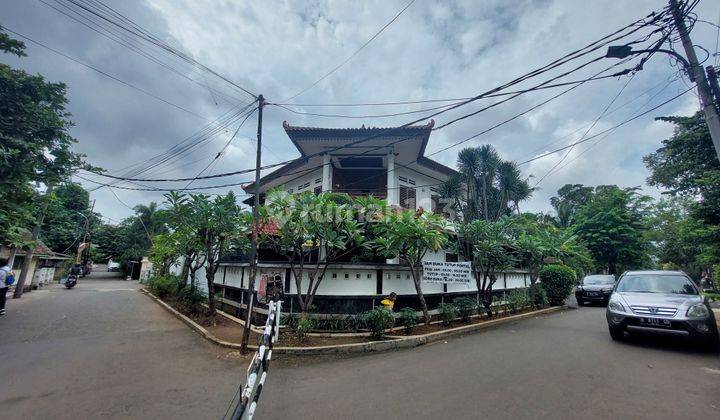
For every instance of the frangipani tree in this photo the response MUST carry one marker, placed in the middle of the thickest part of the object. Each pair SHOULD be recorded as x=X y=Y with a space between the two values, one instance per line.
x=490 y=248
x=410 y=235
x=312 y=231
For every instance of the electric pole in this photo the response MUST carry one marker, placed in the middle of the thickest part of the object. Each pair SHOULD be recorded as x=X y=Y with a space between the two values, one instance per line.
x=30 y=250
x=696 y=71
x=255 y=227
x=86 y=238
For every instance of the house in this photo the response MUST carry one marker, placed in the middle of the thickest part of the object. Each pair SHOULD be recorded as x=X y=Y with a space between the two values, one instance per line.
x=44 y=267
x=387 y=163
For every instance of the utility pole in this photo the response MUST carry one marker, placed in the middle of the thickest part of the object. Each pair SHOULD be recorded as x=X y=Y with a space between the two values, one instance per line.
x=255 y=227
x=696 y=71
x=714 y=85
x=30 y=250
x=87 y=236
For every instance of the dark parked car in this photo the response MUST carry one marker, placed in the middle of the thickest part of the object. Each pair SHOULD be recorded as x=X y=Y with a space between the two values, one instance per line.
x=660 y=302
x=595 y=288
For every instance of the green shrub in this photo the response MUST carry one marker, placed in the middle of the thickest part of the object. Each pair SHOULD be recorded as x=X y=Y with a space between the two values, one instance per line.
x=409 y=319
x=289 y=321
x=448 y=312
x=465 y=307
x=518 y=299
x=378 y=320
x=163 y=286
x=558 y=281
x=189 y=300
x=538 y=296
x=304 y=325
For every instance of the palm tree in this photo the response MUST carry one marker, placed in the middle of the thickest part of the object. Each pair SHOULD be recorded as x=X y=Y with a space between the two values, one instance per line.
x=488 y=161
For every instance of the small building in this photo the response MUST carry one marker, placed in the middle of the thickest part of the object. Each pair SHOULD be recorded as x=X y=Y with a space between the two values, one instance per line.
x=387 y=163
x=44 y=267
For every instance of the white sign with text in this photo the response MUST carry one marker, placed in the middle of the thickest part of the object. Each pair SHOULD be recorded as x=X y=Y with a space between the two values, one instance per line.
x=446 y=272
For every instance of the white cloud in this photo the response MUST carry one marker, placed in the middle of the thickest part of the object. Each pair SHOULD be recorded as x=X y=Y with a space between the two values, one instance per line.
x=434 y=50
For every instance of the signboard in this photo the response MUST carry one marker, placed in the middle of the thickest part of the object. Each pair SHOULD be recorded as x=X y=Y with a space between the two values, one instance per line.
x=446 y=272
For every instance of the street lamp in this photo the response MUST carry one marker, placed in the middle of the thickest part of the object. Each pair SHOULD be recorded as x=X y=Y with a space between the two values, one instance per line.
x=624 y=51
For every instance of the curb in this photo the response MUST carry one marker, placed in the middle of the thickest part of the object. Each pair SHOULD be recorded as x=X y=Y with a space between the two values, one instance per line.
x=393 y=343
x=194 y=325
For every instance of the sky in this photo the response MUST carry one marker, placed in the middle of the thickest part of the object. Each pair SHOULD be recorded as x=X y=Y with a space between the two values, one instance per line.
x=433 y=50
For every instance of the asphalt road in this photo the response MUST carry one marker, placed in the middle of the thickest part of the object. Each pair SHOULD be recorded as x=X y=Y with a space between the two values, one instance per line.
x=104 y=350
x=560 y=366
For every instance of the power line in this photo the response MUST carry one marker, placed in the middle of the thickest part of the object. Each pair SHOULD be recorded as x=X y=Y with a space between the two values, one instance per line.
x=568 y=163
x=137 y=31
x=602 y=114
x=573 y=55
x=110 y=34
x=609 y=129
x=350 y=57
x=128 y=84
x=219 y=154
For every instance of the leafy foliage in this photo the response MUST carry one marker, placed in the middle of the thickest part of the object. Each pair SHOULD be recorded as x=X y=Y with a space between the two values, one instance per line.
x=162 y=286
x=465 y=307
x=410 y=235
x=687 y=166
x=312 y=231
x=487 y=187
x=378 y=320
x=35 y=144
x=409 y=319
x=448 y=312
x=488 y=245
x=557 y=282
x=518 y=299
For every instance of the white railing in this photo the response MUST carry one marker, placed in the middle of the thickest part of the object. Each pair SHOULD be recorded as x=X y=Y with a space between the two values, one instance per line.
x=257 y=371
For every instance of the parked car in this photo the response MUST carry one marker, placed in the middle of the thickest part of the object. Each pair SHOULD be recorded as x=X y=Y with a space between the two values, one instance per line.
x=113 y=266
x=660 y=302
x=595 y=288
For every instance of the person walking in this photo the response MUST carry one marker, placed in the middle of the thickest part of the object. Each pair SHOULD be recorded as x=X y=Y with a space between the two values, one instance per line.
x=6 y=279
x=389 y=302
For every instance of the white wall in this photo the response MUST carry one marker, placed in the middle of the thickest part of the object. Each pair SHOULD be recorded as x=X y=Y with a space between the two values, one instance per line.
x=358 y=282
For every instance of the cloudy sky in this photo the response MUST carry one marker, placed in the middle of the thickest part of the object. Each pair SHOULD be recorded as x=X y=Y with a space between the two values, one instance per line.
x=434 y=50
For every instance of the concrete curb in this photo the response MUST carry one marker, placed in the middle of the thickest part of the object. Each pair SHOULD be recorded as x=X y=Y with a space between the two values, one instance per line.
x=393 y=343
x=194 y=325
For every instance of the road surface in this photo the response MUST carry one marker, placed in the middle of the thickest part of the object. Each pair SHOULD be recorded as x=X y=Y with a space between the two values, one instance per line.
x=104 y=350
x=560 y=366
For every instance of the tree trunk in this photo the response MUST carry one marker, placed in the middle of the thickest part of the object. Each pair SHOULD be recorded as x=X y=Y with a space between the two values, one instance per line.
x=420 y=295
x=210 y=278
x=185 y=271
x=30 y=251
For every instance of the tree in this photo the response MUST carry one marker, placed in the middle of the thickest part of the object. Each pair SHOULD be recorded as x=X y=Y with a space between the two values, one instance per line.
x=219 y=225
x=486 y=187
x=35 y=148
x=567 y=202
x=180 y=217
x=409 y=236
x=68 y=212
x=311 y=232
x=489 y=246
x=612 y=225
x=686 y=166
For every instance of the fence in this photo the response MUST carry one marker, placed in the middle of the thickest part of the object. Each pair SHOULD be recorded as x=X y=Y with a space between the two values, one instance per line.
x=258 y=368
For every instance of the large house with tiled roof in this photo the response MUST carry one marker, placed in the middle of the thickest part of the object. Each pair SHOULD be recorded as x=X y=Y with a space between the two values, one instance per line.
x=387 y=163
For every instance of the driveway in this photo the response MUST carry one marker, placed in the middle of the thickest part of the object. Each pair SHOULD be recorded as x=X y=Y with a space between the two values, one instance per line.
x=104 y=350
x=560 y=366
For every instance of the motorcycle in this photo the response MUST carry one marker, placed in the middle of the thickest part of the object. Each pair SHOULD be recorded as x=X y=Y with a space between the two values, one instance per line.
x=71 y=281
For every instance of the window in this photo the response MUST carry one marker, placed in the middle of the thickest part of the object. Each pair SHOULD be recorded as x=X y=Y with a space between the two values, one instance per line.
x=357 y=276
x=407 y=197
x=318 y=180
x=347 y=276
x=334 y=275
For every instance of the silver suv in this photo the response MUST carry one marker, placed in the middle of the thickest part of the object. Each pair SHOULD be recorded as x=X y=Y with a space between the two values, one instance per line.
x=660 y=302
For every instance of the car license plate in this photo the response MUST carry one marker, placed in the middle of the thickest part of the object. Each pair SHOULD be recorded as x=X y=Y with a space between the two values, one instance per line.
x=655 y=322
